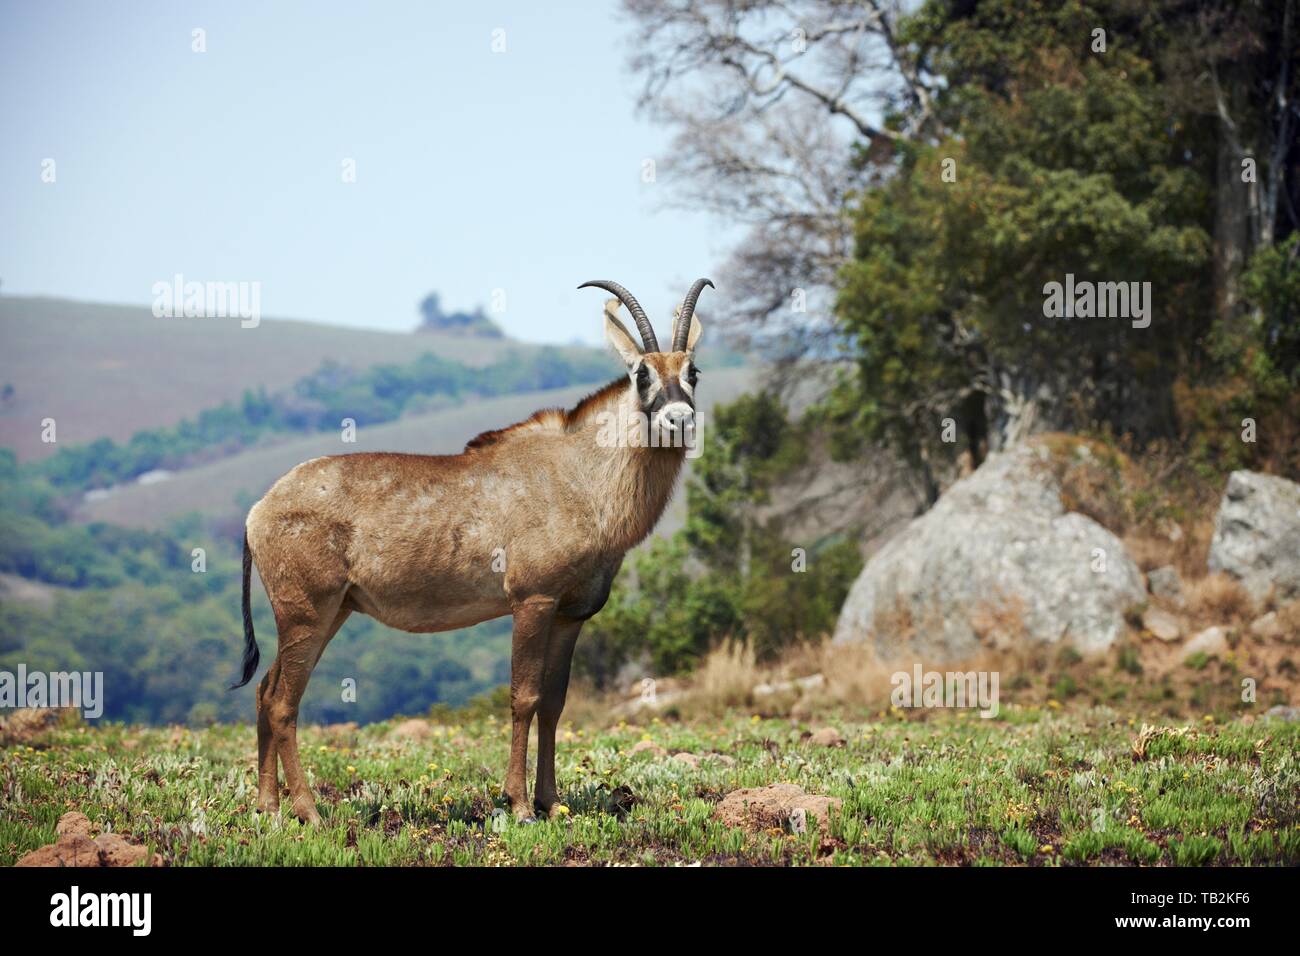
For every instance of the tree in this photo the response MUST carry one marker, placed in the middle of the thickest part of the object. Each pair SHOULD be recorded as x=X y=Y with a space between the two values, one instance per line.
x=1061 y=161
x=766 y=98
x=433 y=319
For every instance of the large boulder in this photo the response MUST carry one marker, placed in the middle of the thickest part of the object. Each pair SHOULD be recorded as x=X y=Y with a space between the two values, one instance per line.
x=996 y=561
x=1257 y=534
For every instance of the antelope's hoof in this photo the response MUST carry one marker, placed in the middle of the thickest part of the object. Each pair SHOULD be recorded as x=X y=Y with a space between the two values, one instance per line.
x=304 y=809
x=553 y=811
x=268 y=804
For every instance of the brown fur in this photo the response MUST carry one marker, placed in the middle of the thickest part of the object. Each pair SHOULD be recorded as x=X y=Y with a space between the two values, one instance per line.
x=412 y=540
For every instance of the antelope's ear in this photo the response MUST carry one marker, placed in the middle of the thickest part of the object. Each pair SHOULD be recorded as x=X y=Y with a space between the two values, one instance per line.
x=617 y=335
x=693 y=336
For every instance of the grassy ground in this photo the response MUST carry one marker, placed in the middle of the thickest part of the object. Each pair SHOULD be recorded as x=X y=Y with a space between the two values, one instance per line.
x=1038 y=786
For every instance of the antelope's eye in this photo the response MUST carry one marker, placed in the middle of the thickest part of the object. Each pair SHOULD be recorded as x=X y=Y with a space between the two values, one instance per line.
x=642 y=375
x=692 y=375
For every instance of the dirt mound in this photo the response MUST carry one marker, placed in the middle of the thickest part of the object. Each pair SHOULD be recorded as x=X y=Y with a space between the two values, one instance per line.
x=760 y=808
x=74 y=847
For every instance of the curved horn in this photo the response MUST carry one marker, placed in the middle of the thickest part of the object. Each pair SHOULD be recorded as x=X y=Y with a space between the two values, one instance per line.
x=682 y=327
x=633 y=306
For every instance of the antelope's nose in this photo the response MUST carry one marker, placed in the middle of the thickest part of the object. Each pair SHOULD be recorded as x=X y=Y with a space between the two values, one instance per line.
x=678 y=415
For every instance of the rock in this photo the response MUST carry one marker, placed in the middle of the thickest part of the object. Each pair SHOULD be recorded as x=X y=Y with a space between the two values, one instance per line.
x=1267 y=626
x=1212 y=642
x=998 y=558
x=1161 y=624
x=657 y=701
x=73 y=823
x=800 y=685
x=827 y=737
x=415 y=729
x=690 y=760
x=762 y=807
x=644 y=746
x=724 y=759
x=1284 y=713
x=1257 y=534
x=1165 y=583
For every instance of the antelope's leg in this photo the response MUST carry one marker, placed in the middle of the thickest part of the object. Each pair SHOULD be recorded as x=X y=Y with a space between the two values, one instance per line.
x=268 y=784
x=555 y=687
x=532 y=627
x=301 y=645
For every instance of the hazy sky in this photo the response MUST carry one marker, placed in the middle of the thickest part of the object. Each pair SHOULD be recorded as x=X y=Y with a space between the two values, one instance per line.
x=476 y=171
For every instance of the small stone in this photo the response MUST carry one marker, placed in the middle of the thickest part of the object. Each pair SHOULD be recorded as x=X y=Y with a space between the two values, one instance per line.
x=690 y=760
x=1161 y=624
x=1284 y=713
x=1166 y=584
x=1267 y=626
x=827 y=737
x=1212 y=642
x=648 y=746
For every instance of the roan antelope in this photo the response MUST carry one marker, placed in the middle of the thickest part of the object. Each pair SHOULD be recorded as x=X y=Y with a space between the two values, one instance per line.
x=416 y=541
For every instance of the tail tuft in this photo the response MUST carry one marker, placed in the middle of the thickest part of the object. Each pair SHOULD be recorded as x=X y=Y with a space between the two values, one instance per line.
x=251 y=654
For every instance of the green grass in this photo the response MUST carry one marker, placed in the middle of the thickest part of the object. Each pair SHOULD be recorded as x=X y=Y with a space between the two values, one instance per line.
x=1038 y=786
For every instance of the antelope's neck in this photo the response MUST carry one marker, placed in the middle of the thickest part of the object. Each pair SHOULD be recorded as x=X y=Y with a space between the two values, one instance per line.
x=630 y=484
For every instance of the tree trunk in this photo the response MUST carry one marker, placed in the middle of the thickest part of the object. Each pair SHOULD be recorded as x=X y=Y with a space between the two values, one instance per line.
x=1232 y=209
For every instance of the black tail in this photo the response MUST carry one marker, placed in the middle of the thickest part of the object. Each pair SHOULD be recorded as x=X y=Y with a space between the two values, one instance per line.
x=251 y=653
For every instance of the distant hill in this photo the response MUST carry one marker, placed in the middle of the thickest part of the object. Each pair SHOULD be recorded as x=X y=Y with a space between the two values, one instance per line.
x=109 y=370
x=213 y=489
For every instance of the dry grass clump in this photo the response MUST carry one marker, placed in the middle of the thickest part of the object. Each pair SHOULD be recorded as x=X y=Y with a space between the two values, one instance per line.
x=1185 y=546
x=1219 y=597
x=727 y=676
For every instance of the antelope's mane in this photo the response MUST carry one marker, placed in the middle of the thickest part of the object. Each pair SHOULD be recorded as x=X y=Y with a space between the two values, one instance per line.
x=553 y=419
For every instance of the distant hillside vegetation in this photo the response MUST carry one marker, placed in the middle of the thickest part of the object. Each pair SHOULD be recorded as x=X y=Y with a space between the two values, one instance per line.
x=109 y=371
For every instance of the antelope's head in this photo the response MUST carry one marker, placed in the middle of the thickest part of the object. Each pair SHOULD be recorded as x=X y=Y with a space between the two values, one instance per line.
x=663 y=382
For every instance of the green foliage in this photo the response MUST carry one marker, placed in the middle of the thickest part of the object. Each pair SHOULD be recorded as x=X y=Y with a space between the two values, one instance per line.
x=950 y=790
x=1272 y=286
x=1065 y=162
